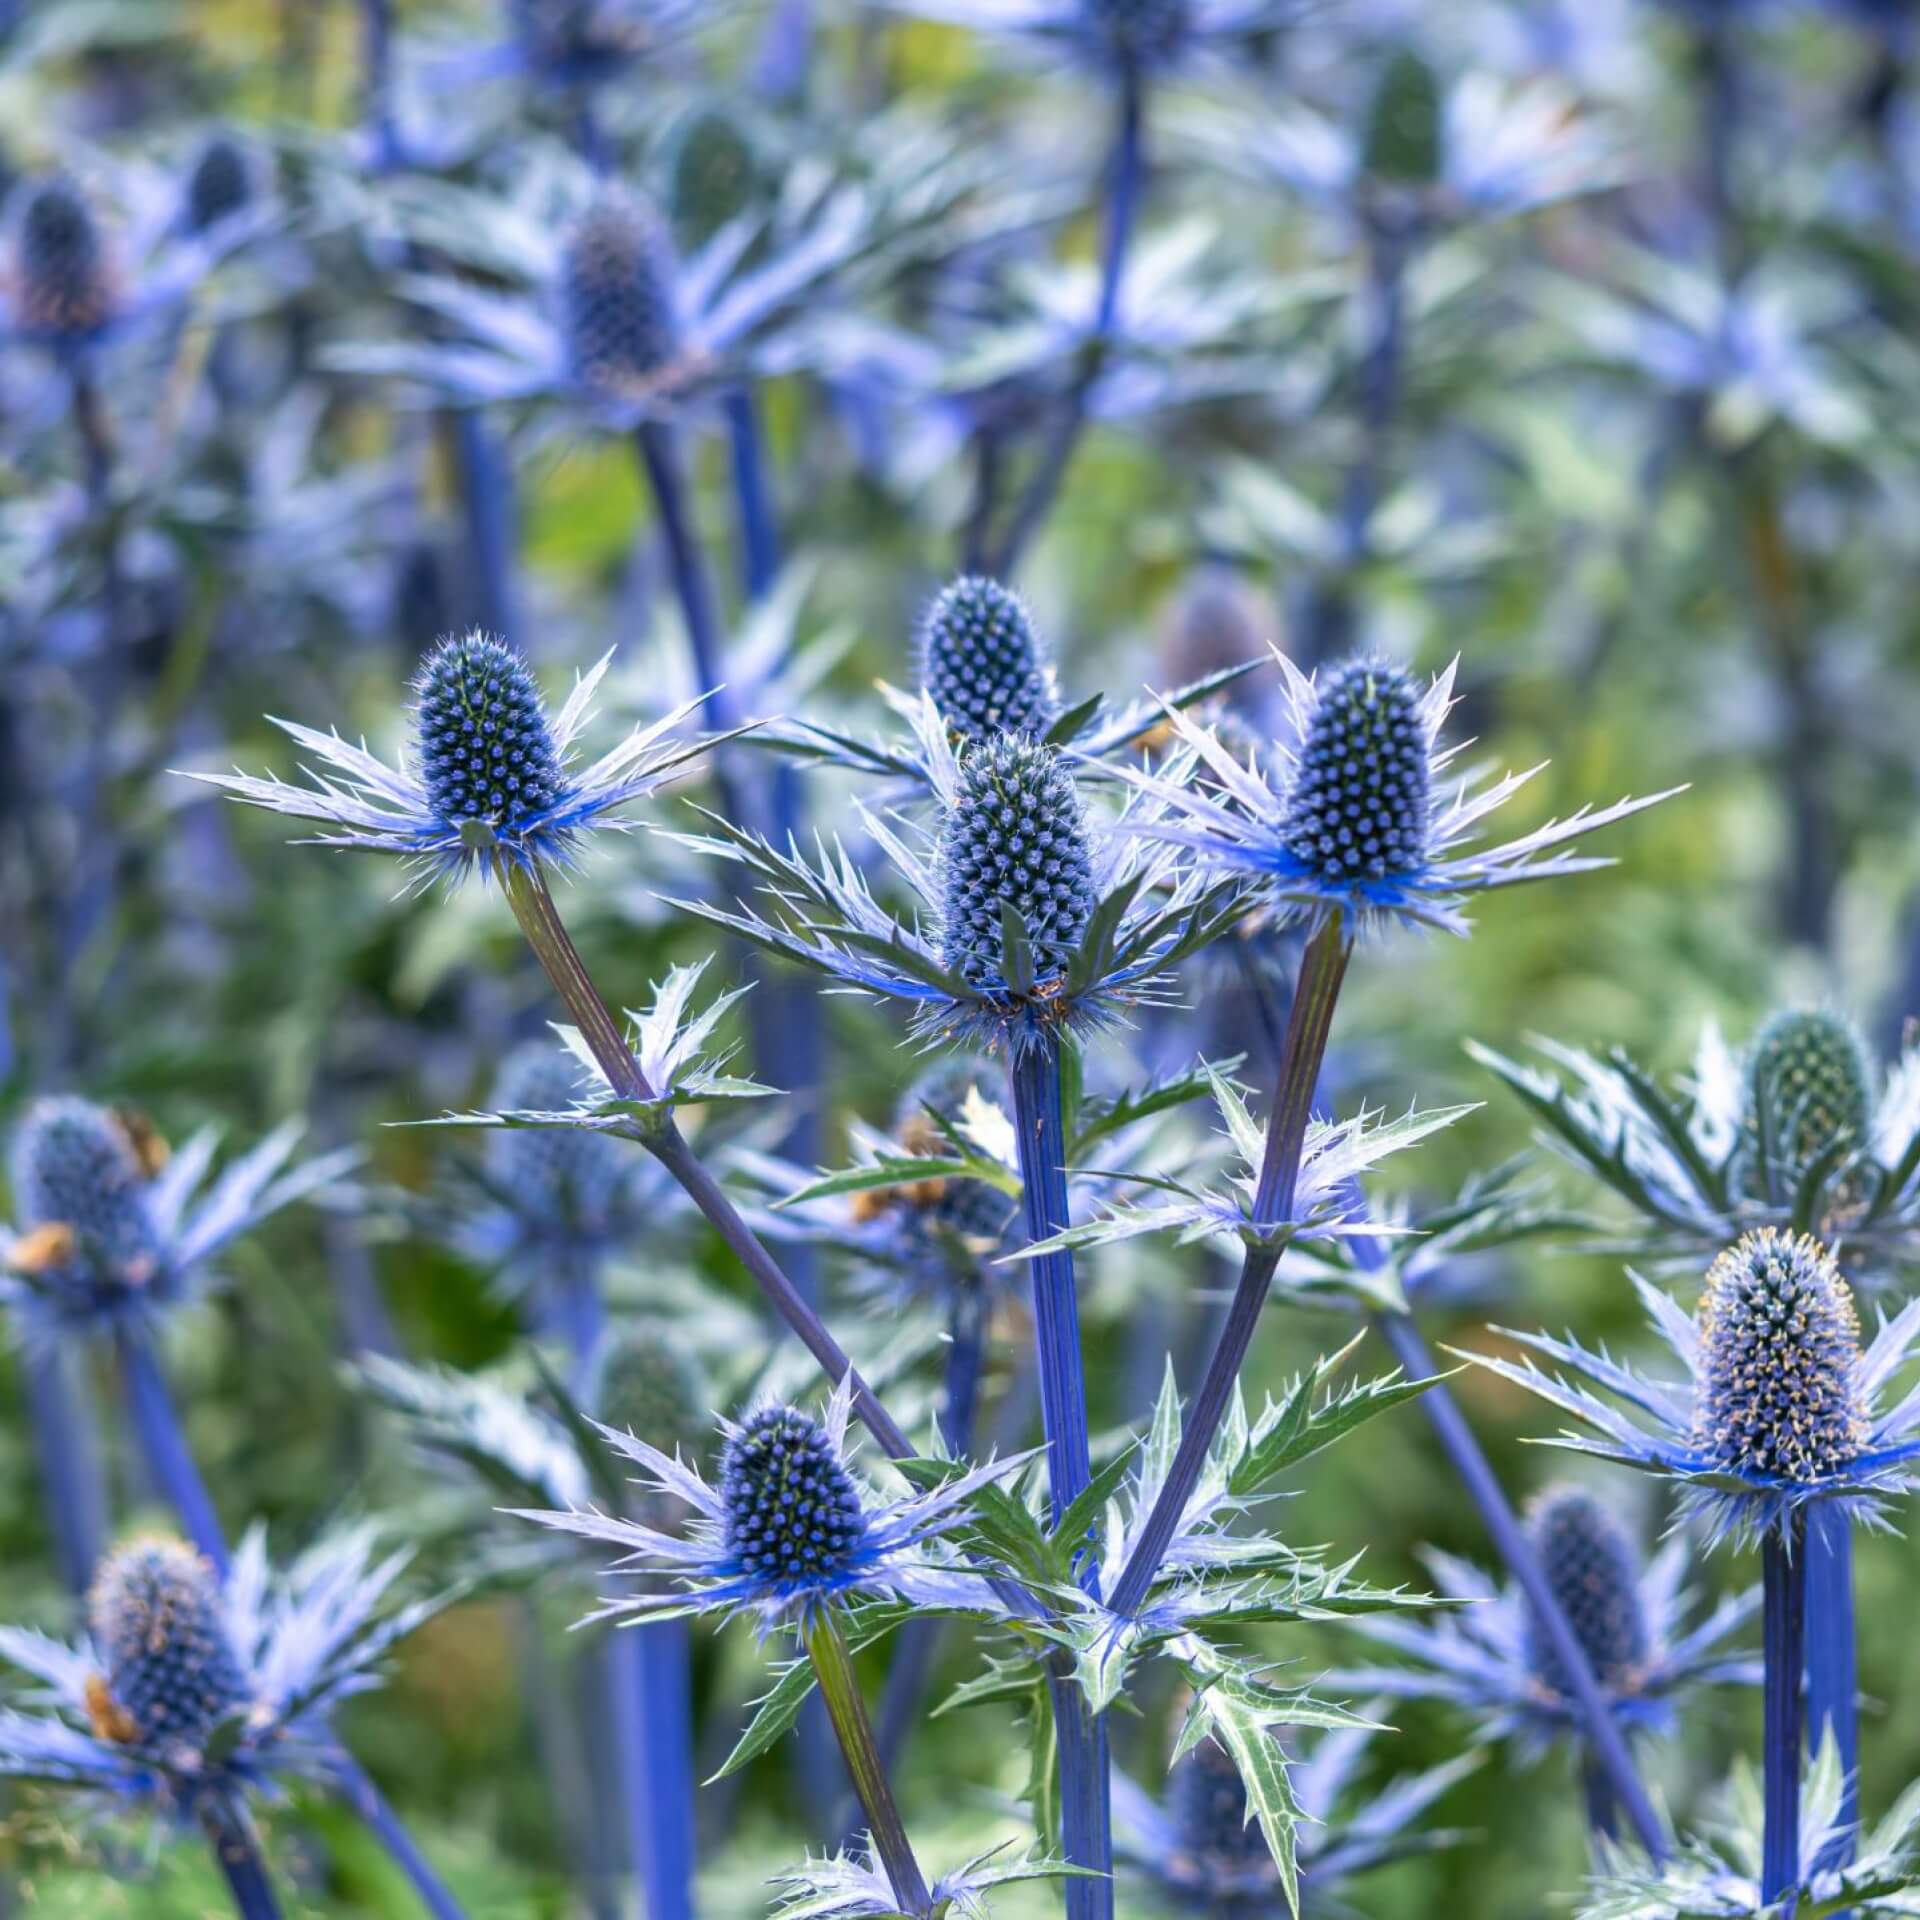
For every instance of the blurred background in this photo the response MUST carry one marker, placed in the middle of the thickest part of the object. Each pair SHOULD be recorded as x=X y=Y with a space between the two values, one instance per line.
x=1574 y=339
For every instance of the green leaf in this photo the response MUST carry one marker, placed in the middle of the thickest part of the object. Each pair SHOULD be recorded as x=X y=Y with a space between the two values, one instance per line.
x=1237 y=1715
x=1298 y=1429
x=774 y=1712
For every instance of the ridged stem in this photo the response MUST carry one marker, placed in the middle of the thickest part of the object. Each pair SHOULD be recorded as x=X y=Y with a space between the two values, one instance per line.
x=237 y=1848
x=753 y=499
x=1833 y=1666
x=164 y=1447
x=376 y=61
x=847 y=1708
x=487 y=501
x=68 y=1442
x=1783 y=1590
x=1309 y=1022
x=1040 y=1129
x=1603 y=1804
x=650 y=1699
x=533 y=907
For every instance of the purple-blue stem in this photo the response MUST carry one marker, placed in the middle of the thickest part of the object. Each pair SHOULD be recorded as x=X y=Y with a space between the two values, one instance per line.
x=1086 y=1829
x=370 y=1805
x=651 y=1705
x=786 y=51
x=1783 y=1604
x=1126 y=187
x=1309 y=1021
x=1833 y=1666
x=759 y=526
x=376 y=63
x=163 y=1445
x=68 y=1440
x=237 y=1848
x=487 y=498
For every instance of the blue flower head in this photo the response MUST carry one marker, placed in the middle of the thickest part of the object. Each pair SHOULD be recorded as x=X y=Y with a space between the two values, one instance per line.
x=222 y=182
x=794 y=1523
x=1219 y=1848
x=567 y=1183
x=1359 y=826
x=1406 y=127
x=617 y=297
x=493 y=784
x=171 y=1675
x=81 y=1193
x=1126 y=37
x=66 y=282
x=981 y=662
x=1809 y=1073
x=1013 y=841
x=578 y=43
x=1594 y=1574
x=1141 y=33
x=1778 y=1396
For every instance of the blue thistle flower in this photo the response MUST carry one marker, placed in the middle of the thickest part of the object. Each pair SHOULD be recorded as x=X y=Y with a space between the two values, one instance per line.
x=1013 y=842
x=171 y=1674
x=617 y=297
x=65 y=281
x=1778 y=1394
x=982 y=664
x=222 y=182
x=1779 y=1406
x=1594 y=1574
x=1218 y=1846
x=1358 y=829
x=1122 y=36
x=1140 y=33
x=110 y=1226
x=569 y=1181
x=788 y=1528
x=495 y=785
x=1406 y=126
x=1809 y=1073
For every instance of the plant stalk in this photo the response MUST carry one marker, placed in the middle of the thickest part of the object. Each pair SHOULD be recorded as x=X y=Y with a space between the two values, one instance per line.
x=237 y=1848
x=370 y=1806
x=753 y=497
x=164 y=1445
x=647 y=1686
x=1833 y=1666
x=840 y=1689
x=68 y=1440
x=1783 y=1587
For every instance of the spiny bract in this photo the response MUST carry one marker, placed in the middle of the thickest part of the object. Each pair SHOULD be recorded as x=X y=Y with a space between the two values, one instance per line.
x=563 y=1177
x=1594 y=1574
x=793 y=1516
x=221 y=183
x=171 y=1672
x=1778 y=1391
x=617 y=294
x=1809 y=1070
x=63 y=270
x=486 y=752
x=981 y=661
x=76 y=1167
x=1014 y=837
x=1359 y=803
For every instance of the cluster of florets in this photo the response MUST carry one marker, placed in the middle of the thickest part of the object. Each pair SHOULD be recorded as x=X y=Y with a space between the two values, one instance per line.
x=577 y=36
x=485 y=750
x=1013 y=838
x=220 y=184
x=794 y=1520
x=1778 y=1391
x=80 y=1185
x=1594 y=1575
x=1141 y=32
x=171 y=1675
x=981 y=661
x=1809 y=1071
x=1360 y=800
x=1219 y=1847
x=649 y=1384
x=65 y=280
x=566 y=1179
x=618 y=309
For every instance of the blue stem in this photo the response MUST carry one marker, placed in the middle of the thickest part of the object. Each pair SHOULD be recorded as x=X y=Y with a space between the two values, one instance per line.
x=237 y=1849
x=69 y=1445
x=1039 y=1123
x=1783 y=1587
x=650 y=1698
x=164 y=1446
x=1833 y=1667
x=753 y=497
x=376 y=30
x=486 y=494
x=1123 y=198
x=370 y=1805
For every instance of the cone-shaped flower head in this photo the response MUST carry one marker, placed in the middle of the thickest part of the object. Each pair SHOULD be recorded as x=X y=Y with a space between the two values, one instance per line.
x=220 y=184
x=794 y=1522
x=1809 y=1069
x=480 y=727
x=567 y=1179
x=982 y=662
x=80 y=1190
x=650 y=1384
x=1217 y=1845
x=577 y=39
x=1013 y=839
x=1778 y=1392
x=1360 y=802
x=171 y=1673
x=1594 y=1573
x=1406 y=128
x=1141 y=33
x=974 y=1211
x=712 y=171
x=65 y=280
x=617 y=295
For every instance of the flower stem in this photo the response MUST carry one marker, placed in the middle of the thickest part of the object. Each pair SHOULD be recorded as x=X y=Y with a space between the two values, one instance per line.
x=169 y=1459
x=1603 y=1804
x=1310 y=1020
x=376 y=61
x=1783 y=1587
x=847 y=1709
x=647 y=1687
x=69 y=1445
x=486 y=496
x=370 y=1805
x=753 y=499
x=237 y=1848
x=1833 y=1671
x=533 y=907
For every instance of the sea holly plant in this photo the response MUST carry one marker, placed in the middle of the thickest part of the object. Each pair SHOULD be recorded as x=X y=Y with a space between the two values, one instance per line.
x=1648 y=1644
x=1779 y=1411
x=195 y=1696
